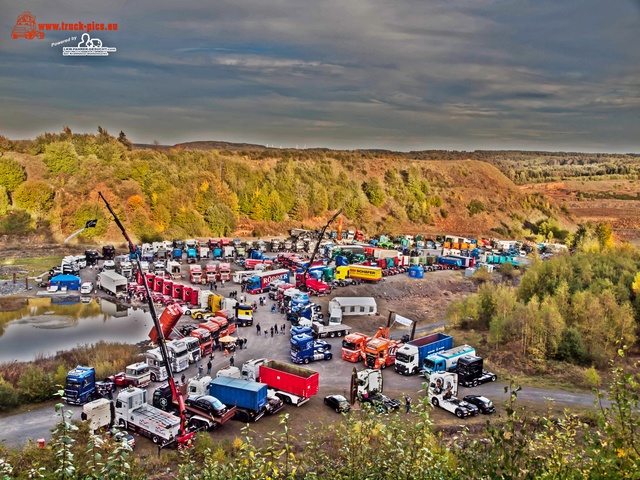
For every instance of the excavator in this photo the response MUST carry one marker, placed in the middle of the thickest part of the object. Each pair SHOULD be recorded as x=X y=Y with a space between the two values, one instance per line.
x=185 y=437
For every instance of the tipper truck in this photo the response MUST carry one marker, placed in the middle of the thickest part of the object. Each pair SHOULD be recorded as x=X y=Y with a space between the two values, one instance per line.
x=445 y=361
x=410 y=356
x=134 y=413
x=292 y=384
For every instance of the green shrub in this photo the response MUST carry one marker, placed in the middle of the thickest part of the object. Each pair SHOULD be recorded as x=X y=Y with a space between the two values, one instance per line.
x=34 y=196
x=476 y=206
x=61 y=157
x=8 y=396
x=36 y=385
x=17 y=222
x=11 y=174
x=571 y=347
x=592 y=378
x=444 y=213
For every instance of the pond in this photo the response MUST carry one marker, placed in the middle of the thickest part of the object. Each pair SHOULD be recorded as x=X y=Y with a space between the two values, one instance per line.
x=47 y=325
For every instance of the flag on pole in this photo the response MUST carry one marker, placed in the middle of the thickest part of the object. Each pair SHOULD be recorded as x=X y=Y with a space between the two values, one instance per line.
x=403 y=320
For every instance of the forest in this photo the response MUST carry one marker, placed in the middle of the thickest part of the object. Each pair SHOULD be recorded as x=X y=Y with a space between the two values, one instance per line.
x=49 y=185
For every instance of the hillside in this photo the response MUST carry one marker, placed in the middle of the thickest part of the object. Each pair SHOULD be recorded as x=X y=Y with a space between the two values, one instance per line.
x=50 y=186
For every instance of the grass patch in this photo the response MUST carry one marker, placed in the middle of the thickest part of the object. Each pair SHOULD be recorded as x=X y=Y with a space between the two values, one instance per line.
x=34 y=266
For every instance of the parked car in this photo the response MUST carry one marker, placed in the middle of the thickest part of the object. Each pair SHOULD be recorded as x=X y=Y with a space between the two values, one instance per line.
x=337 y=403
x=86 y=288
x=208 y=404
x=483 y=403
x=125 y=437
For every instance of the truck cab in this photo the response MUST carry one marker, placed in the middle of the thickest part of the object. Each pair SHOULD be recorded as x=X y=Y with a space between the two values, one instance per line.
x=381 y=353
x=193 y=347
x=179 y=355
x=442 y=391
x=353 y=346
x=243 y=315
x=303 y=350
x=136 y=375
x=157 y=366
x=204 y=339
x=195 y=274
x=80 y=385
x=471 y=373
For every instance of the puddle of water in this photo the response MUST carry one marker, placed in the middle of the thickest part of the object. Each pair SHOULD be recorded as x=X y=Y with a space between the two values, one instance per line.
x=48 y=325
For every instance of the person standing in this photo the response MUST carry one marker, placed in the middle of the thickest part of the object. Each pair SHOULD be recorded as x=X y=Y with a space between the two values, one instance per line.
x=200 y=370
x=271 y=332
x=273 y=309
x=407 y=403
x=284 y=326
x=215 y=287
x=231 y=361
x=183 y=379
x=266 y=332
x=258 y=329
x=209 y=365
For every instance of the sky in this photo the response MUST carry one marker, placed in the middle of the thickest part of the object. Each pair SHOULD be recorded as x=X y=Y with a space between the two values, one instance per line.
x=400 y=75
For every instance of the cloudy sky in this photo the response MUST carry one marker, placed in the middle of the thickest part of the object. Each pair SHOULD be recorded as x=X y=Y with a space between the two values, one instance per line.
x=403 y=74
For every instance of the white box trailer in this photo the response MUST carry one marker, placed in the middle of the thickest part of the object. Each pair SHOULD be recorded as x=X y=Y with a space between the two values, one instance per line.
x=113 y=283
x=354 y=305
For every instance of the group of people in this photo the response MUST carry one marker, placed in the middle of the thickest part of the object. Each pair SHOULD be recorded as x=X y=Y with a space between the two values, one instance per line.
x=274 y=330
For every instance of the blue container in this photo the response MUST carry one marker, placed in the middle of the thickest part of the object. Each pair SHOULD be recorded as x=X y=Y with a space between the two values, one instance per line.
x=416 y=272
x=238 y=392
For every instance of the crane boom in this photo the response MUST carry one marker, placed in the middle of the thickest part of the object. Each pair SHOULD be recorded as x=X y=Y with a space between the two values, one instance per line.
x=158 y=328
x=315 y=250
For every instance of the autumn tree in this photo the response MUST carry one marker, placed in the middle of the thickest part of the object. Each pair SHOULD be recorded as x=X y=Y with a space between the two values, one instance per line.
x=12 y=174
x=35 y=196
x=61 y=157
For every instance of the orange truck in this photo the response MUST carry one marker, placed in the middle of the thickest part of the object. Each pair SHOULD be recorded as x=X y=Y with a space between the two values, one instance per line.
x=381 y=353
x=353 y=346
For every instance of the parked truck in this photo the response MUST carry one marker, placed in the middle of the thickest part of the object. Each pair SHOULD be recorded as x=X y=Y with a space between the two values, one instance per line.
x=202 y=412
x=211 y=272
x=99 y=413
x=134 y=413
x=445 y=361
x=259 y=282
x=381 y=352
x=410 y=356
x=304 y=350
x=224 y=272
x=249 y=398
x=136 y=375
x=195 y=274
x=179 y=355
x=442 y=392
x=320 y=330
x=292 y=384
x=312 y=285
x=113 y=283
x=192 y=255
x=471 y=373
x=353 y=346
x=243 y=315
x=349 y=274
x=157 y=366
x=80 y=385
x=204 y=338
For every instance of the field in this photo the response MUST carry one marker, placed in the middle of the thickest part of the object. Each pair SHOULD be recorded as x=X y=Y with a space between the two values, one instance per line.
x=614 y=201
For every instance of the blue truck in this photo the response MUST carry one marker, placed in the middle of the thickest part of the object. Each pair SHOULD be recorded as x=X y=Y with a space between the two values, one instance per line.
x=305 y=349
x=445 y=361
x=410 y=356
x=249 y=398
x=81 y=387
x=177 y=255
x=192 y=255
x=451 y=262
x=310 y=312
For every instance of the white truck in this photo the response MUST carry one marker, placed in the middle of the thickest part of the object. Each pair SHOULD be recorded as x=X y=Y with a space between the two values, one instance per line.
x=179 y=354
x=332 y=330
x=193 y=347
x=157 y=367
x=442 y=391
x=134 y=413
x=113 y=283
x=99 y=413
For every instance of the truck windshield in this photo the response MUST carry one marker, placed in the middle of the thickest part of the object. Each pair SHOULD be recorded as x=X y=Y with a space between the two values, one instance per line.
x=429 y=364
x=349 y=345
x=404 y=358
x=73 y=383
x=295 y=348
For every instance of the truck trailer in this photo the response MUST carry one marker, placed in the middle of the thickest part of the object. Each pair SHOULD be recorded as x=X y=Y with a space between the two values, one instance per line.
x=292 y=384
x=113 y=283
x=259 y=282
x=410 y=356
x=445 y=361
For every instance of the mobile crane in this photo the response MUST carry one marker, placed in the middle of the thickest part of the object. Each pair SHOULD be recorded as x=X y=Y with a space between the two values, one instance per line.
x=184 y=437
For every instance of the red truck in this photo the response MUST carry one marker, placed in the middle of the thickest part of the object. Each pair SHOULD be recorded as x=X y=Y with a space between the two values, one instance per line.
x=311 y=285
x=292 y=384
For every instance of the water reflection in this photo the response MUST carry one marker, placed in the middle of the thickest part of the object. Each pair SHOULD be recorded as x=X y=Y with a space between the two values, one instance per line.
x=43 y=326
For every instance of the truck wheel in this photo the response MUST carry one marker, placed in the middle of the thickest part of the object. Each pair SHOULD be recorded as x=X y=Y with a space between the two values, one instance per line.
x=123 y=423
x=434 y=402
x=153 y=377
x=329 y=356
x=459 y=413
x=326 y=402
x=187 y=312
x=383 y=366
x=155 y=439
x=306 y=360
x=475 y=383
x=332 y=334
x=494 y=378
x=338 y=334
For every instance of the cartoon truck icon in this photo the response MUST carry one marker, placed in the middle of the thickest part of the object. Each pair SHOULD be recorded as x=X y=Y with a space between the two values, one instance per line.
x=26 y=27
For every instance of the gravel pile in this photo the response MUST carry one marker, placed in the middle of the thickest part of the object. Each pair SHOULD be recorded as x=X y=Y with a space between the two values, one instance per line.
x=7 y=287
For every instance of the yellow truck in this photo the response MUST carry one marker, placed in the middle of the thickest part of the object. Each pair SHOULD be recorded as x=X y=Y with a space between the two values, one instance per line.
x=358 y=273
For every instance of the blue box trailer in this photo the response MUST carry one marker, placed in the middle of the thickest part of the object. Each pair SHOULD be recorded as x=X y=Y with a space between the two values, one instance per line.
x=241 y=393
x=410 y=356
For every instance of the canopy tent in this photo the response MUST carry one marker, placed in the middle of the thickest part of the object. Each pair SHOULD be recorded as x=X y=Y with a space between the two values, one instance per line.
x=228 y=339
x=71 y=282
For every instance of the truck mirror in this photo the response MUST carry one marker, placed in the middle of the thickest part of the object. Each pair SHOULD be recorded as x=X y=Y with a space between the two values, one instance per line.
x=432 y=385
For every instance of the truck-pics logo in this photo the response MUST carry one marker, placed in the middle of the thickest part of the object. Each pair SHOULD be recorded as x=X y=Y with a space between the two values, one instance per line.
x=88 y=47
x=25 y=27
